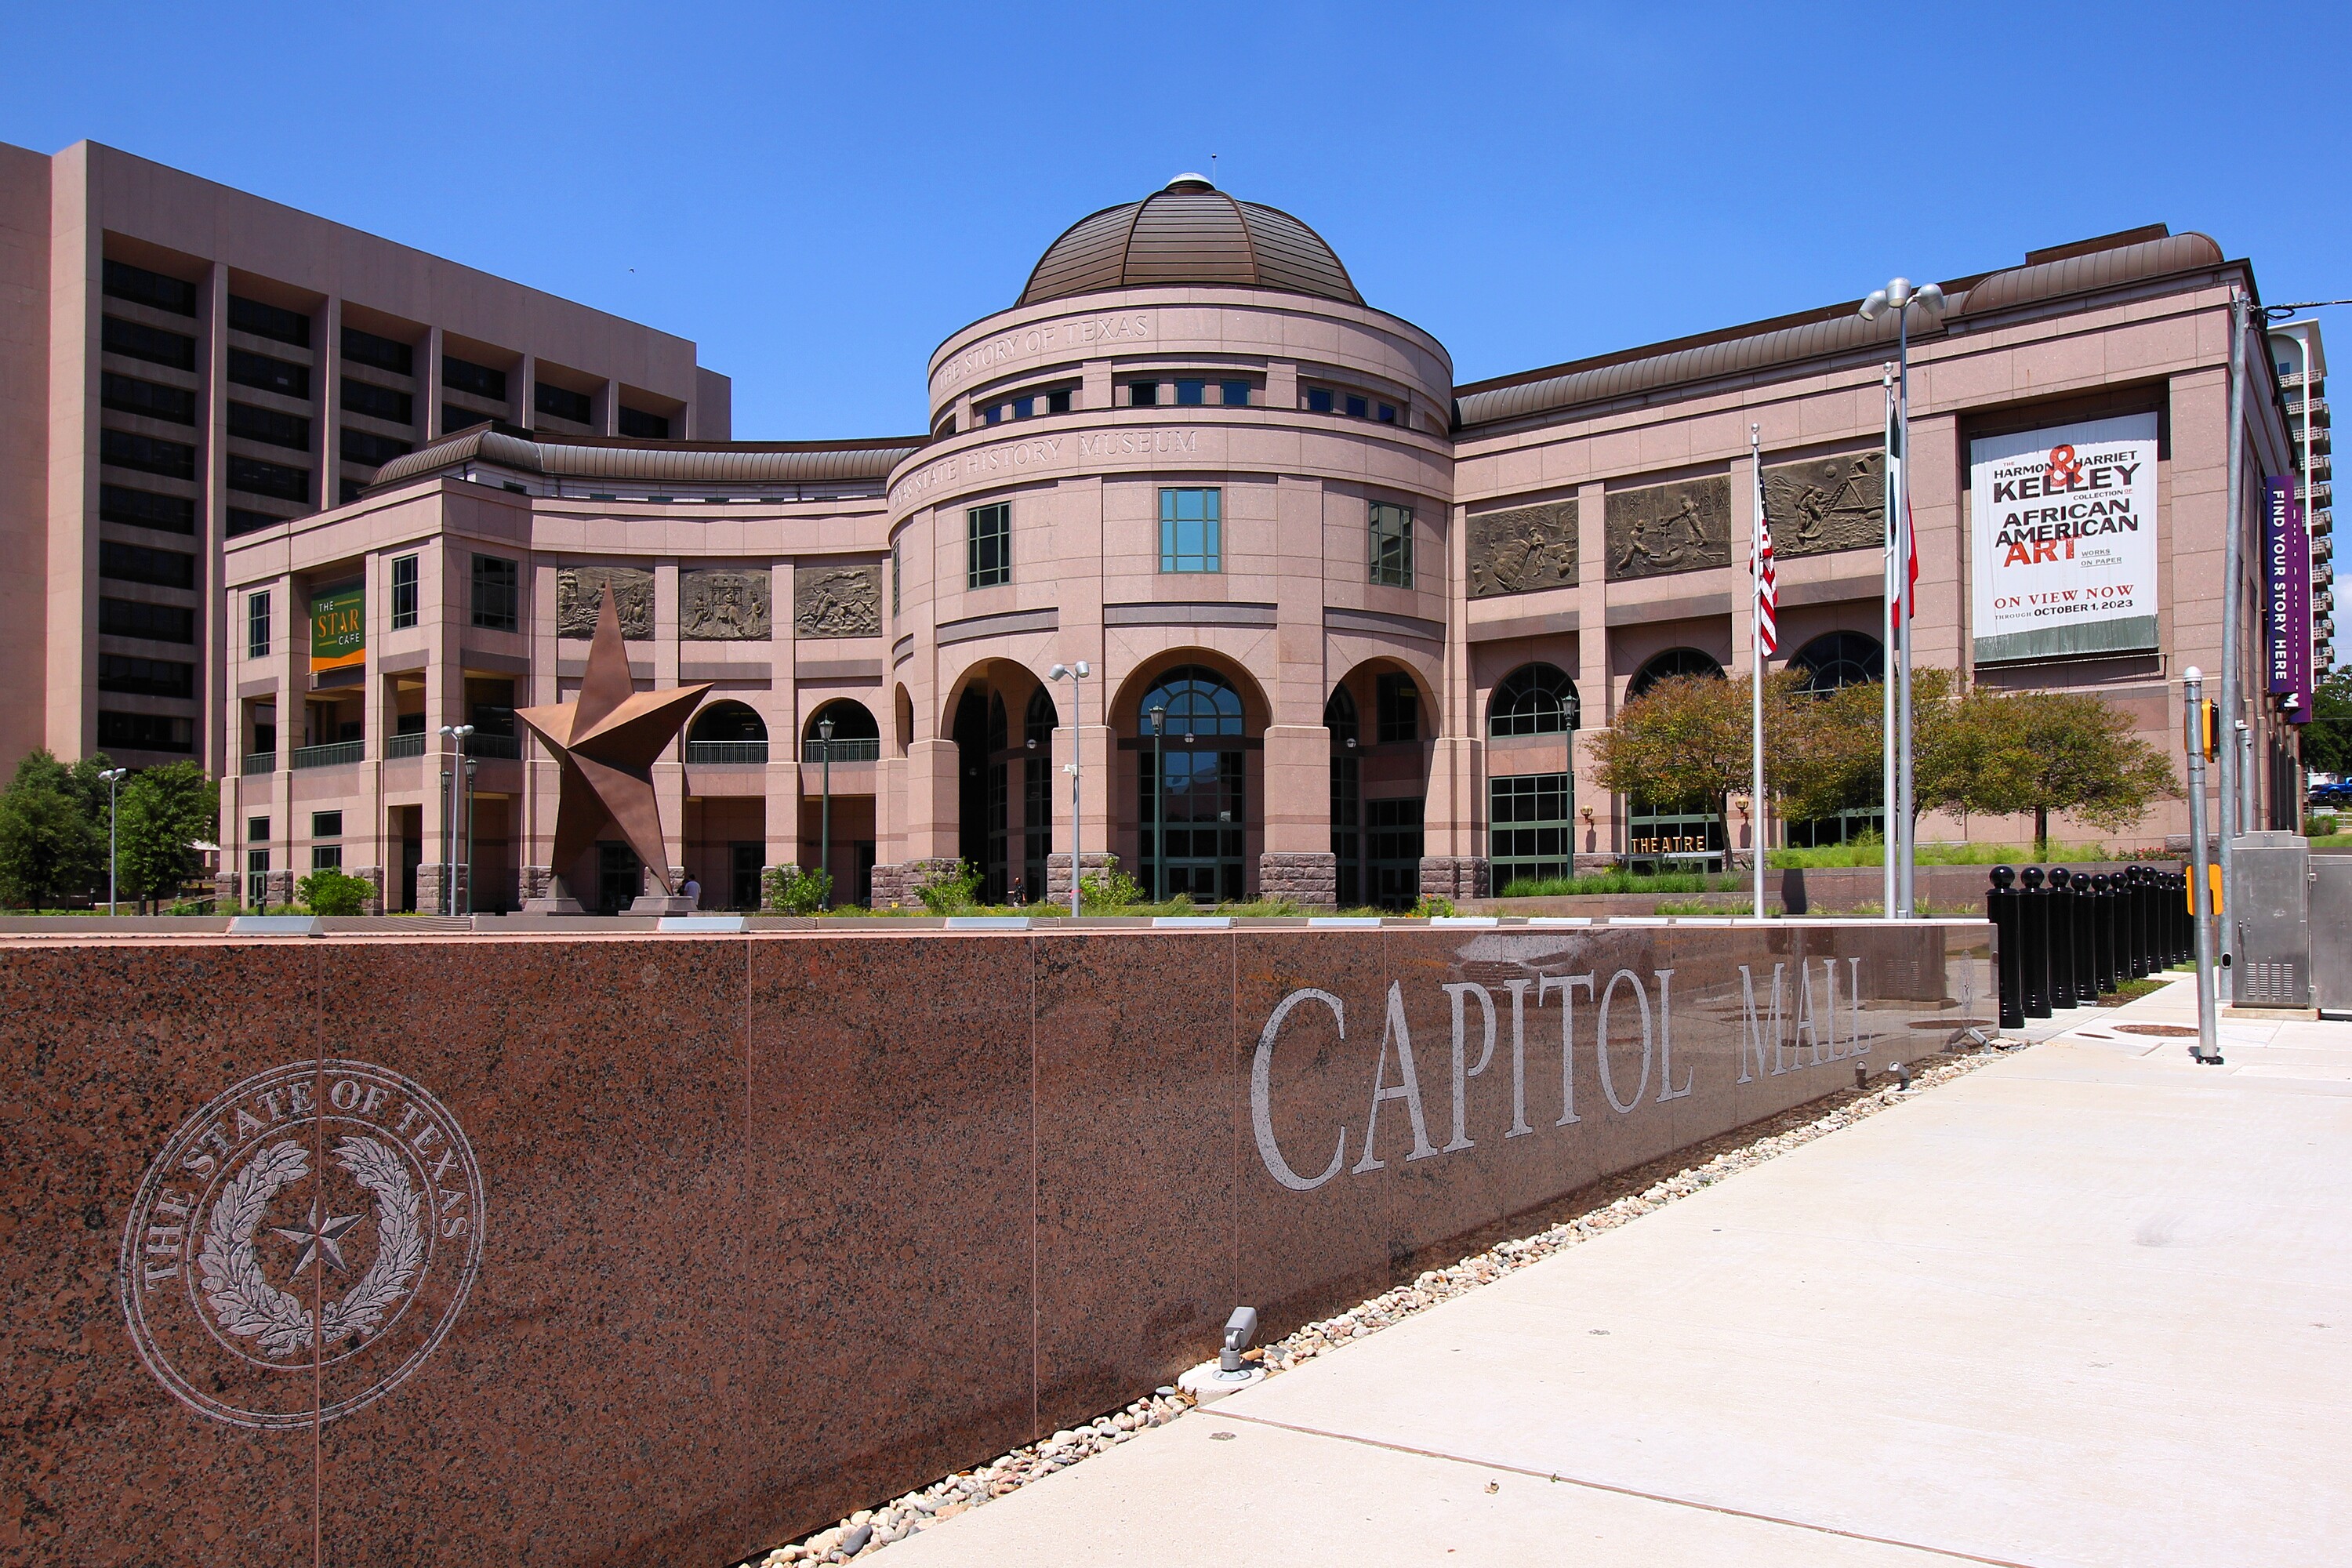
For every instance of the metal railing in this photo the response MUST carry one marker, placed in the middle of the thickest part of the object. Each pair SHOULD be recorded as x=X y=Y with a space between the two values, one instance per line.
x=334 y=753
x=481 y=746
x=260 y=761
x=405 y=745
x=726 y=752
x=844 y=750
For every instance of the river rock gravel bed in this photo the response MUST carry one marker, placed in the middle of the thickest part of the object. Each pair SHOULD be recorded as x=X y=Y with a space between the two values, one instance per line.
x=1598 y=1209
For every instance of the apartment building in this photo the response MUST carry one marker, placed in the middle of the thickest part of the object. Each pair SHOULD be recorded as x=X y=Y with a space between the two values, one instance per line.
x=181 y=364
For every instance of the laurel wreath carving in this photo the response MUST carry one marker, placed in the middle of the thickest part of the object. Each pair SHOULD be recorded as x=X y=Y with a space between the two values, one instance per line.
x=249 y=1306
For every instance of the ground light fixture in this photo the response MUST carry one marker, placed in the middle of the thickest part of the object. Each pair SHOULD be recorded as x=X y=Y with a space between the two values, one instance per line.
x=1900 y=296
x=1075 y=674
x=112 y=776
x=1228 y=1373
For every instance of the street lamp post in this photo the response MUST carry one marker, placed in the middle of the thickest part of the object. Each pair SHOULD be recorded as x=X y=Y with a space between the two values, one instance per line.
x=825 y=811
x=457 y=733
x=469 y=835
x=1899 y=296
x=1159 y=805
x=2192 y=691
x=1075 y=674
x=112 y=776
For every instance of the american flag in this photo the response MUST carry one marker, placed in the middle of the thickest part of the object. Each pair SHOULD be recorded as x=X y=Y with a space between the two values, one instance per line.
x=1767 y=593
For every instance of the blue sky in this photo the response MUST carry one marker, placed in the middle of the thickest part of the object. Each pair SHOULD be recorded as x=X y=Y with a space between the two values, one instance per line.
x=818 y=195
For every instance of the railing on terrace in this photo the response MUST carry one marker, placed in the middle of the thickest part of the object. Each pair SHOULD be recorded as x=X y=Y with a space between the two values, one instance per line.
x=404 y=746
x=335 y=753
x=260 y=761
x=843 y=749
x=725 y=752
x=480 y=745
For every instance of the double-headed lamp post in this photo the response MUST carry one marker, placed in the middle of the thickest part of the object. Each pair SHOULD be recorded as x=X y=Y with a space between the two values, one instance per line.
x=824 y=811
x=112 y=776
x=1075 y=674
x=1899 y=296
x=459 y=734
x=1158 y=805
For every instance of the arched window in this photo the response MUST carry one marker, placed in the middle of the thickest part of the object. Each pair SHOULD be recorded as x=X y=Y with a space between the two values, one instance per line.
x=727 y=733
x=855 y=737
x=1840 y=659
x=1199 y=701
x=1674 y=661
x=1533 y=699
x=1339 y=717
x=728 y=721
x=1042 y=720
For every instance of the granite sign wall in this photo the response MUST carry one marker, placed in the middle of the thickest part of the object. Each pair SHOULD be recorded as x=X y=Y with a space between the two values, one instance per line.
x=617 y=1251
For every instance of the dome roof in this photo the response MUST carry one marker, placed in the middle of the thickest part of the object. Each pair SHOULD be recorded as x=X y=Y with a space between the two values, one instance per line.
x=1190 y=232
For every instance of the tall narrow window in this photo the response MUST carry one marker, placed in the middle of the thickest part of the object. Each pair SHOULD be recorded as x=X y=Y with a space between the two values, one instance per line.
x=403 y=592
x=496 y=584
x=257 y=626
x=1398 y=704
x=898 y=565
x=1192 y=530
x=1142 y=394
x=990 y=560
x=1393 y=544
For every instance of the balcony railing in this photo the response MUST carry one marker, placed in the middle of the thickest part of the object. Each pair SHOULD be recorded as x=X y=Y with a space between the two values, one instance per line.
x=722 y=752
x=333 y=755
x=404 y=746
x=843 y=749
x=478 y=745
x=260 y=761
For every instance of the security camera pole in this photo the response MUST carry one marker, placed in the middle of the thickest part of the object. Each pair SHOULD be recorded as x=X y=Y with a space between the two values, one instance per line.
x=1899 y=296
x=112 y=776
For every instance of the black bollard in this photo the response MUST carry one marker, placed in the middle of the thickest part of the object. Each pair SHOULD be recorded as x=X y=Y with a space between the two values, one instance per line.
x=2002 y=910
x=2136 y=906
x=2034 y=944
x=2062 y=937
x=2102 y=930
x=2086 y=941
x=2184 y=921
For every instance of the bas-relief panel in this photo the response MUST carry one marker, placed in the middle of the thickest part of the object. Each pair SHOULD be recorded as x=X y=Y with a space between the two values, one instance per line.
x=1827 y=504
x=837 y=601
x=580 y=589
x=725 y=606
x=1523 y=549
x=1664 y=528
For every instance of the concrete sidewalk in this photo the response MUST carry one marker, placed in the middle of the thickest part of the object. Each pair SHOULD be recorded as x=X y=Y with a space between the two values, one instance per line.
x=2092 y=1304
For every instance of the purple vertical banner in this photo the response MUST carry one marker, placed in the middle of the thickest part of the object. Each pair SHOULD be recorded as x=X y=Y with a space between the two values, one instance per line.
x=2299 y=613
x=2280 y=536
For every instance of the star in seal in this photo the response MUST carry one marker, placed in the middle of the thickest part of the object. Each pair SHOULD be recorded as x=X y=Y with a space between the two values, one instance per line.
x=320 y=1236
x=606 y=740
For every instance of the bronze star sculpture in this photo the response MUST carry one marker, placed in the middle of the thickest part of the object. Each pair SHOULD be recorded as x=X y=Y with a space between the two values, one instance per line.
x=606 y=740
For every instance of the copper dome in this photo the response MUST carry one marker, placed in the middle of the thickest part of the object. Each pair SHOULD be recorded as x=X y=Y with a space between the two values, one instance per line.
x=1189 y=233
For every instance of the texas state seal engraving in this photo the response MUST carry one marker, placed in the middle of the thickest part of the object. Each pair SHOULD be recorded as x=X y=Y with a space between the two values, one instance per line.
x=302 y=1244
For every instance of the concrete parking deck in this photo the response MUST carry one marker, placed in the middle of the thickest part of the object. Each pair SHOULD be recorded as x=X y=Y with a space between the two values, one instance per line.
x=2090 y=1305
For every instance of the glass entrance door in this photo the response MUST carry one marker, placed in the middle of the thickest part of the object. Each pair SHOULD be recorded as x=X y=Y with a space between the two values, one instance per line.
x=620 y=875
x=1205 y=827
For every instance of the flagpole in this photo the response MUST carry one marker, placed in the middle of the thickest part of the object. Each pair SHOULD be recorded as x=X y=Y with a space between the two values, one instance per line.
x=1888 y=835
x=1903 y=590
x=1755 y=662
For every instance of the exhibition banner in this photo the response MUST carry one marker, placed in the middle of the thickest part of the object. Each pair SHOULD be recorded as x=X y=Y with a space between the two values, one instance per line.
x=2062 y=540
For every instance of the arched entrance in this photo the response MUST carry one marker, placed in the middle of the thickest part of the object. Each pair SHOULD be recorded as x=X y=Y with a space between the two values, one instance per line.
x=1379 y=783
x=1002 y=725
x=1833 y=662
x=1193 y=805
x=1530 y=814
x=1675 y=834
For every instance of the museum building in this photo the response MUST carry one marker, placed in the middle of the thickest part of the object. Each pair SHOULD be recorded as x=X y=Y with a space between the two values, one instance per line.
x=1347 y=628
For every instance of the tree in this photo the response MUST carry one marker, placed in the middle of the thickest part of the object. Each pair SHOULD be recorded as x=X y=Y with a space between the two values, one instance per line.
x=2047 y=751
x=2327 y=738
x=162 y=811
x=1684 y=743
x=327 y=891
x=51 y=846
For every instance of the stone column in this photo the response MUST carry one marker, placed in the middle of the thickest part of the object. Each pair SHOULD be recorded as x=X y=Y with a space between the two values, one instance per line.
x=1298 y=863
x=1595 y=687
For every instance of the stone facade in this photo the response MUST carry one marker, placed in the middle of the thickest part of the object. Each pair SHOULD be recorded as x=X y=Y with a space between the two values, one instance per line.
x=901 y=886
x=1303 y=876
x=1455 y=877
x=1058 y=873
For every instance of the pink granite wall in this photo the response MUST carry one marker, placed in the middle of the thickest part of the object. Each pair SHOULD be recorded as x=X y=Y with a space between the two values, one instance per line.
x=711 y=1240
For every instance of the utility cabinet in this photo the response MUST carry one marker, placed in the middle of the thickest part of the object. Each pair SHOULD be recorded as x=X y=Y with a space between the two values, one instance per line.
x=2331 y=926
x=2269 y=910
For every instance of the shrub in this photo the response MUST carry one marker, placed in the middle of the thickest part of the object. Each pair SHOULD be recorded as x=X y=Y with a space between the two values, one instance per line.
x=1112 y=889
x=1429 y=907
x=946 y=893
x=798 y=889
x=327 y=891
